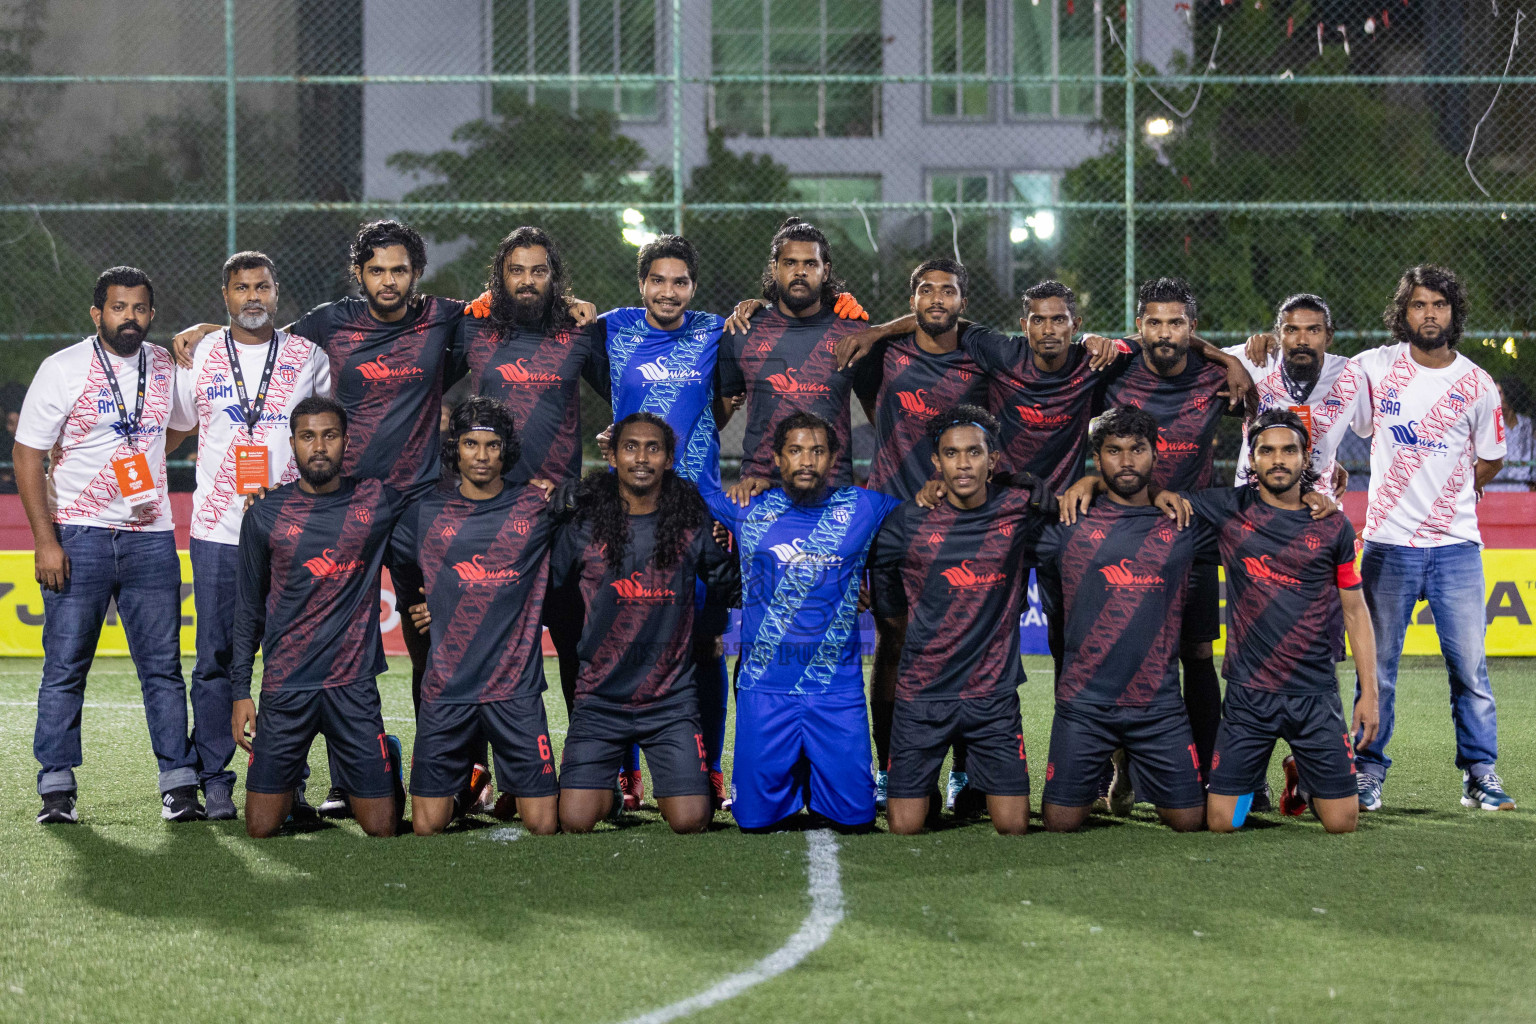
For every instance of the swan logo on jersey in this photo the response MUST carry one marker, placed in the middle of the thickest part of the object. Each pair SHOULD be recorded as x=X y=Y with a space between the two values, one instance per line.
x=794 y=553
x=473 y=572
x=1036 y=417
x=237 y=416
x=1167 y=447
x=1126 y=573
x=1406 y=435
x=632 y=591
x=375 y=371
x=658 y=370
x=325 y=566
x=1260 y=569
x=786 y=384
x=518 y=373
x=916 y=403
x=963 y=577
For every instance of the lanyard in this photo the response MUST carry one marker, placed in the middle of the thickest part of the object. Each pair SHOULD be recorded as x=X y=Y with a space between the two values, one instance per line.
x=125 y=426
x=251 y=410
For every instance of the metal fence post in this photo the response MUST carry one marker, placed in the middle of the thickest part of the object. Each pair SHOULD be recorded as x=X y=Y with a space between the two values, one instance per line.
x=229 y=126
x=677 y=117
x=1130 y=165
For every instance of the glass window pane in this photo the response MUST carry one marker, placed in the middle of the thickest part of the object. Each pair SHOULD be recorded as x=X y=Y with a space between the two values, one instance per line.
x=1077 y=55
x=739 y=108
x=792 y=110
x=1032 y=55
x=851 y=111
x=973 y=57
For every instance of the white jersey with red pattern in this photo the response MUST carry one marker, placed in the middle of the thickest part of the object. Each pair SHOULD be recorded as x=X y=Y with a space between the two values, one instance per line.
x=208 y=392
x=1431 y=427
x=71 y=413
x=1339 y=400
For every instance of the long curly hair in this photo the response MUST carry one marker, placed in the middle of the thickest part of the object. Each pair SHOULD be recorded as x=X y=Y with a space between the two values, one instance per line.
x=1285 y=418
x=557 y=316
x=679 y=506
x=1436 y=279
x=796 y=230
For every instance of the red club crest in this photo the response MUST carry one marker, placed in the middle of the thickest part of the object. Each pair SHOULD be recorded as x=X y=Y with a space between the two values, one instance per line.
x=521 y=526
x=1313 y=543
x=363 y=515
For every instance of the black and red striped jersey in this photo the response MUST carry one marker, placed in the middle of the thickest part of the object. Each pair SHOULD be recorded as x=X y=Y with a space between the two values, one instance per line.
x=636 y=646
x=486 y=566
x=1120 y=575
x=307 y=586
x=1043 y=416
x=783 y=365
x=909 y=386
x=958 y=577
x=538 y=377
x=389 y=378
x=1187 y=410
x=1284 y=573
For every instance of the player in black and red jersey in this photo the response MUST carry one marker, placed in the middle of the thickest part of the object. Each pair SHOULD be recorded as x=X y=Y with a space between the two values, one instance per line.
x=308 y=593
x=949 y=583
x=640 y=537
x=1120 y=571
x=1290 y=579
x=786 y=362
x=483 y=548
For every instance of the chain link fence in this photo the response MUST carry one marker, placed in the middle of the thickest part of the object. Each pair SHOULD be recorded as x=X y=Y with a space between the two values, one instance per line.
x=1255 y=147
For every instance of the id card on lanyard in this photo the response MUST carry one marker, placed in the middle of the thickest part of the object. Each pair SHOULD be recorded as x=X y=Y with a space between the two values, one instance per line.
x=134 y=480
x=252 y=460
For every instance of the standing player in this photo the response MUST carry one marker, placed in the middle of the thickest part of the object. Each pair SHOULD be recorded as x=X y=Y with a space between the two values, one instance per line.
x=640 y=541
x=483 y=548
x=1121 y=572
x=308 y=597
x=102 y=410
x=949 y=582
x=1290 y=578
x=243 y=382
x=802 y=735
x=1296 y=371
x=787 y=362
x=1439 y=438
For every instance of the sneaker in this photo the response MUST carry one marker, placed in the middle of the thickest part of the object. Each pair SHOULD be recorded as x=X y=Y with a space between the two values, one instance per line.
x=882 y=779
x=336 y=804
x=1101 y=802
x=957 y=782
x=180 y=804
x=1122 y=797
x=633 y=785
x=58 y=808
x=479 y=797
x=1263 y=800
x=617 y=808
x=1485 y=791
x=397 y=770
x=1369 y=788
x=1294 y=801
x=219 y=799
x=719 y=797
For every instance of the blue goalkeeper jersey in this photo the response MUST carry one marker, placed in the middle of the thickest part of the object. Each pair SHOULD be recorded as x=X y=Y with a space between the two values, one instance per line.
x=801 y=566
x=671 y=374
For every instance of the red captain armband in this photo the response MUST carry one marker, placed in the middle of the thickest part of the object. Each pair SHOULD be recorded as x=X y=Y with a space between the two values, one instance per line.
x=847 y=307
x=1348 y=576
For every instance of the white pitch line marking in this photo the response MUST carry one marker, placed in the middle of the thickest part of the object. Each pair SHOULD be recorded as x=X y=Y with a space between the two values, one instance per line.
x=824 y=883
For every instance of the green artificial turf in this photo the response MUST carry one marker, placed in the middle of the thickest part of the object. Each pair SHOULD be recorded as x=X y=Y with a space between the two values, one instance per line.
x=1428 y=913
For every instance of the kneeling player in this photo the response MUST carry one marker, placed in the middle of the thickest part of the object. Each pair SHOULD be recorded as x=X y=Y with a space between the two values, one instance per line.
x=308 y=594
x=640 y=538
x=1122 y=573
x=483 y=549
x=949 y=582
x=1289 y=578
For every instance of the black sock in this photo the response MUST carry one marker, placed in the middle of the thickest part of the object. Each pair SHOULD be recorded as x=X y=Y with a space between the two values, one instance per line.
x=1202 y=702
x=881 y=712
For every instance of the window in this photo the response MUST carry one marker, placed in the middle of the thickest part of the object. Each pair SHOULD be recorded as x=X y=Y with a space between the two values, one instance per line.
x=813 y=37
x=969 y=230
x=958 y=46
x=585 y=37
x=846 y=190
x=1055 y=37
x=1032 y=233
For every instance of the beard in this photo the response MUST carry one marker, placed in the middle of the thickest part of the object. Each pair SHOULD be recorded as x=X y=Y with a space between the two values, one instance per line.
x=797 y=302
x=125 y=341
x=1305 y=368
x=1165 y=364
x=805 y=495
x=1128 y=489
x=319 y=477
x=1277 y=489
x=530 y=310
x=943 y=325
x=1447 y=338
x=387 y=308
x=253 y=319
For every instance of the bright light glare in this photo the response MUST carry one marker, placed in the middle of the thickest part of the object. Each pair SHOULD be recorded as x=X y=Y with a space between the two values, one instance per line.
x=1019 y=235
x=633 y=216
x=1044 y=223
x=638 y=237
x=1159 y=126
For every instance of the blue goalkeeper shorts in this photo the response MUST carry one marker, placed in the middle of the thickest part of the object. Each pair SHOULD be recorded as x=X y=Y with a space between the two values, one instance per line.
x=797 y=750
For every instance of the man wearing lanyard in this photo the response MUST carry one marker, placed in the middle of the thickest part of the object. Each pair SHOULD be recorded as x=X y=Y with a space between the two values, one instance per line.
x=102 y=408
x=242 y=447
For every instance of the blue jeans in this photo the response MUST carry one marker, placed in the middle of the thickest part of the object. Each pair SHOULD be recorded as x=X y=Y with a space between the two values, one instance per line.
x=142 y=572
x=1450 y=578
x=213 y=591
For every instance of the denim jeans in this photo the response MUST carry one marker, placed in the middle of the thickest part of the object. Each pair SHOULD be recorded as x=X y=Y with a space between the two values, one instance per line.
x=1450 y=578
x=213 y=593
x=142 y=572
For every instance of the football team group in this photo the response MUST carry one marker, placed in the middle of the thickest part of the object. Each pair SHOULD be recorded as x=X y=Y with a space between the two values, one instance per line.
x=325 y=454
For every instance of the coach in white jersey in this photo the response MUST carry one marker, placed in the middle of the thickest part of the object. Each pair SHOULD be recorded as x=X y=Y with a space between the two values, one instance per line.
x=1328 y=392
x=1438 y=439
x=101 y=528
x=242 y=383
